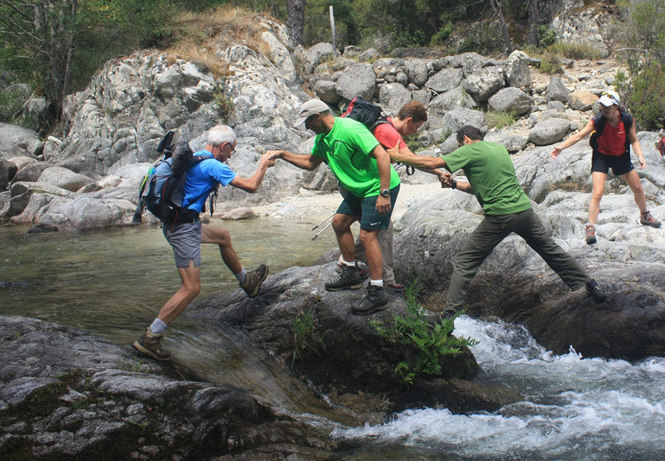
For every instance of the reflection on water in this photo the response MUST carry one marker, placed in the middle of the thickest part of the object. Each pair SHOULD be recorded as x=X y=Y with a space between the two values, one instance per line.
x=113 y=282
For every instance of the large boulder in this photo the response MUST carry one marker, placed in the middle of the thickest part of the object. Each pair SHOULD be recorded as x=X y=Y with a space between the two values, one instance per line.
x=357 y=80
x=518 y=73
x=549 y=131
x=64 y=178
x=457 y=118
x=82 y=397
x=511 y=100
x=484 y=82
x=445 y=80
x=18 y=141
x=581 y=100
x=393 y=96
x=556 y=90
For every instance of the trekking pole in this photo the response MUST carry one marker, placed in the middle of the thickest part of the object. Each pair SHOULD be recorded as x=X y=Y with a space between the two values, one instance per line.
x=321 y=231
x=329 y=217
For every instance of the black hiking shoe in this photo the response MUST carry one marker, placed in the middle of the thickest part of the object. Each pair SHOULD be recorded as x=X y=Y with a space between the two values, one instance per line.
x=593 y=289
x=252 y=284
x=376 y=300
x=360 y=266
x=150 y=344
x=348 y=278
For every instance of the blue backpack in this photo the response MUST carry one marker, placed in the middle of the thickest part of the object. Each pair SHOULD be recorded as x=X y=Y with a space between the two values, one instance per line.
x=162 y=188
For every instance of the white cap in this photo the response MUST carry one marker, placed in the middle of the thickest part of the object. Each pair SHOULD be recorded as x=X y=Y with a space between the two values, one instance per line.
x=609 y=98
x=311 y=107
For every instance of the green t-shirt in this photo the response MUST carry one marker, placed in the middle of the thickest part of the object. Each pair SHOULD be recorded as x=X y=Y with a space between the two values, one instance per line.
x=347 y=149
x=490 y=170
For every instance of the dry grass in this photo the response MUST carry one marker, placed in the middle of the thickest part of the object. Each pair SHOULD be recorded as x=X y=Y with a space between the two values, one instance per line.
x=200 y=36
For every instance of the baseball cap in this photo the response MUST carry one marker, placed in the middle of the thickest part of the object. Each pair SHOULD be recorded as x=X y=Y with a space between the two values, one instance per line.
x=311 y=107
x=609 y=98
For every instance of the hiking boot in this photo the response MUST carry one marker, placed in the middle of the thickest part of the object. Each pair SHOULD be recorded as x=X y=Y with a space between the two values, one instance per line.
x=347 y=278
x=376 y=300
x=397 y=287
x=593 y=289
x=590 y=234
x=252 y=283
x=648 y=220
x=360 y=266
x=150 y=344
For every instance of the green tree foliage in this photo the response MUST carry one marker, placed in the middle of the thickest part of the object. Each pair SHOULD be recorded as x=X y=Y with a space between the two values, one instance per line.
x=59 y=44
x=644 y=89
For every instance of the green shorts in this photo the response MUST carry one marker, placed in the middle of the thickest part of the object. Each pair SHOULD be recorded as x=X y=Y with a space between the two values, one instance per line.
x=365 y=210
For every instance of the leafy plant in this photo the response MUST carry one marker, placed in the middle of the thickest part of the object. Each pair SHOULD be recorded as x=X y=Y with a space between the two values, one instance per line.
x=224 y=105
x=428 y=342
x=546 y=36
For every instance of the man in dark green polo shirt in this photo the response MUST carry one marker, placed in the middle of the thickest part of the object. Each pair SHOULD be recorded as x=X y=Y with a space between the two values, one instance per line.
x=492 y=179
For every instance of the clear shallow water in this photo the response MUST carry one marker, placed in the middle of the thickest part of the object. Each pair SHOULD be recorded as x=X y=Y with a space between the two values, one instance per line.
x=113 y=283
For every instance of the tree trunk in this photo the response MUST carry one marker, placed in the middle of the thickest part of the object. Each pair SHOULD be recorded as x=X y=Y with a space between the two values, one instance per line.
x=508 y=44
x=534 y=21
x=296 y=20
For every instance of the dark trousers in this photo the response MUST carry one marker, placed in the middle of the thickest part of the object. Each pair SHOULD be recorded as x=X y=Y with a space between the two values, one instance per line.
x=489 y=233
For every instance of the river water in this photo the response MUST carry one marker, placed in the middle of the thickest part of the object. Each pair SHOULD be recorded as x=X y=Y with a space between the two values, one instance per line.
x=113 y=283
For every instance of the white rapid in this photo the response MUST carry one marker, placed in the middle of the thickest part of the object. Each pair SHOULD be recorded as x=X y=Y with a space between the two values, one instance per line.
x=574 y=407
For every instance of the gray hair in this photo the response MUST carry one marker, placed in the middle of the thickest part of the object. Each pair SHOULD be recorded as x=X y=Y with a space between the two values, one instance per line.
x=220 y=134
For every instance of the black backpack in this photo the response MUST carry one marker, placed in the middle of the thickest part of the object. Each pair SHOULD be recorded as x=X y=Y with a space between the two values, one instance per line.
x=162 y=188
x=365 y=112
x=599 y=125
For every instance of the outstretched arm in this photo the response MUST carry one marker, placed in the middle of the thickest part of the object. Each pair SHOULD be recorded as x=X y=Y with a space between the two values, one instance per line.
x=252 y=183
x=405 y=151
x=305 y=161
x=425 y=163
x=583 y=133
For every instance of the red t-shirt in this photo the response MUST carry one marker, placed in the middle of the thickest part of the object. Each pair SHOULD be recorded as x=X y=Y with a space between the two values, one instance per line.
x=613 y=139
x=387 y=135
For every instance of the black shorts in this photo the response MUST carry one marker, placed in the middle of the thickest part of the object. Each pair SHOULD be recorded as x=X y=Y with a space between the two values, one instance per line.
x=620 y=164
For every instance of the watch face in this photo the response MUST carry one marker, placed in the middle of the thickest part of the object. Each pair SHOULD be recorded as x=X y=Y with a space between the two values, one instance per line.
x=385 y=193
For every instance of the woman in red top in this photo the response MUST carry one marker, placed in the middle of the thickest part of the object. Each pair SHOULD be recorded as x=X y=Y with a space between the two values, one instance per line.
x=612 y=152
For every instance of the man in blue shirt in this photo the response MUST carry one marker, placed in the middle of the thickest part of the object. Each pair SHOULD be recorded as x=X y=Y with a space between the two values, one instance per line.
x=186 y=236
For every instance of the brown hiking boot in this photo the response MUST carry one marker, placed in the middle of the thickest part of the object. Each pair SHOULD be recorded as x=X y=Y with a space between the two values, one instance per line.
x=376 y=300
x=252 y=284
x=150 y=344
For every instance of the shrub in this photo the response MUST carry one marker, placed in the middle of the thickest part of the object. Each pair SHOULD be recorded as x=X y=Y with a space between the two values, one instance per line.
x=644 y=94
x=572 y=50
x=428 y=343
x=499 y=120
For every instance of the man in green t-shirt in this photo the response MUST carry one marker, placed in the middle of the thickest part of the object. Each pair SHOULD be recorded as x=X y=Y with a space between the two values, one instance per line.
x=363 y=168
x=492 y=179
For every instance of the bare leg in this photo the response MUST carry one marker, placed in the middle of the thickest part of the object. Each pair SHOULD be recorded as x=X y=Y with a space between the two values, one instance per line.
x=373 y=252
x=633 y=181
x=598 y=180
x=222 y=237
x=190 y=289
x=342 y=226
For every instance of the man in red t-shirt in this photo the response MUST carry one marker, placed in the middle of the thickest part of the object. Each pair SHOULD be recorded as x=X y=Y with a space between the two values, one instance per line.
x=409 y=120
x=613 y=152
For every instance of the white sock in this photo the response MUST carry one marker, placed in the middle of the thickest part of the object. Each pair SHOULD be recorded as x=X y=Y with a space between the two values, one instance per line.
x=376 y=283
x=158 y=326
x=242 y=275
x=350 y=264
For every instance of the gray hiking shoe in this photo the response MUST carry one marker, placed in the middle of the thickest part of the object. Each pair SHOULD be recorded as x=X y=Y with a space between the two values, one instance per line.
x=376 y=300
x=590 y=234
x=647 y=220
x=347 y=278
x=150 y=344
x=252 y=284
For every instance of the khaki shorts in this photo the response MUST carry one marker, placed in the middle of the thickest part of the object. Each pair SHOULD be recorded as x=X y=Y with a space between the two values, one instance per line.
x=185 y=239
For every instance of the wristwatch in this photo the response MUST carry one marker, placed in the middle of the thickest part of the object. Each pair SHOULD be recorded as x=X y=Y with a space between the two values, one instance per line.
x=385 y=193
